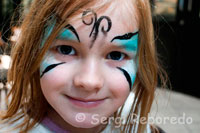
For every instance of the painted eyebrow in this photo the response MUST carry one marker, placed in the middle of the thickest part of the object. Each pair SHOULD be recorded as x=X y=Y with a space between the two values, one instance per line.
x=125 y=36
x=70 y=27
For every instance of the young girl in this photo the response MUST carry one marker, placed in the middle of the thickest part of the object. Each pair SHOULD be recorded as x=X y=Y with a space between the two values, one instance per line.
x=75 y=64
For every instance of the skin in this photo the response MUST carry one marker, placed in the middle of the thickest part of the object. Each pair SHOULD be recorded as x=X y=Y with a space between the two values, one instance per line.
x=89 y=72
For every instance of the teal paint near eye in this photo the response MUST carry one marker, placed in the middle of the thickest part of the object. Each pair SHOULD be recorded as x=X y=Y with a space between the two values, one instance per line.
x=130 y=44
x=48 y=31
x=43 y=65
x=66 y=34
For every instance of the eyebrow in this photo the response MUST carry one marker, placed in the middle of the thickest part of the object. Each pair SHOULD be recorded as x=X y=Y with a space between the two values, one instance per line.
x=126 y=36
x=70 y=27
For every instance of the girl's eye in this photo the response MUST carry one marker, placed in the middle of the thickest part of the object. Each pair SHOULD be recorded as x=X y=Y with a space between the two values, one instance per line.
x=115 y=55
x=66 y=50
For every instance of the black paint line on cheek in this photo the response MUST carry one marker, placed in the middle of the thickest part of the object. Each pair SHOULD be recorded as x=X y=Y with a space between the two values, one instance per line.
x=125 y=36
x=128 y=77
x=50 y=67
x=70 y=27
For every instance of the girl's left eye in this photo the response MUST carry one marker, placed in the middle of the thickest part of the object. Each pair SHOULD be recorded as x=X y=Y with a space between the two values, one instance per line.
x=116 y=55
x=66 y=50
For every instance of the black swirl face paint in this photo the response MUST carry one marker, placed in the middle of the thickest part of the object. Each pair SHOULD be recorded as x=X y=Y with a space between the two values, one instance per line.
x=50 y=67
x=96 y=24
x=128 y=77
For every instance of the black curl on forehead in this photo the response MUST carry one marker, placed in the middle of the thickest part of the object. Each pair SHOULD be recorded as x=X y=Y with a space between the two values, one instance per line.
x=96 y=24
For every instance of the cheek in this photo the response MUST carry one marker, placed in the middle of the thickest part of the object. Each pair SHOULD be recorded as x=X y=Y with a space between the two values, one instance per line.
x=57 y=79
x=131 y=69
x=118 y=86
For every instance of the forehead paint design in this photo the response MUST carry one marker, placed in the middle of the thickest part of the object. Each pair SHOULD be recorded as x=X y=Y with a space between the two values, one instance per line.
x=96 y=24
x=129 y=41
x=68 y=33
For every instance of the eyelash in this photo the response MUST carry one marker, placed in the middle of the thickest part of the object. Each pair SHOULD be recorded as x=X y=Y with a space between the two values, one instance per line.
x=116 y=55
x=69 y=50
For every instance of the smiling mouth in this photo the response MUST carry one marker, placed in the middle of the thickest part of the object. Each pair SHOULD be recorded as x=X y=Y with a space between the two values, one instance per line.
x=86 y=103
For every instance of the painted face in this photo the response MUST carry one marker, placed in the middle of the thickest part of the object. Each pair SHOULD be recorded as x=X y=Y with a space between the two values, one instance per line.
x=90 y=68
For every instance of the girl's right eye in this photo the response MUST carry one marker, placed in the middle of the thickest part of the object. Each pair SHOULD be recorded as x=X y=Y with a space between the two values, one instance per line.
x=66 y=50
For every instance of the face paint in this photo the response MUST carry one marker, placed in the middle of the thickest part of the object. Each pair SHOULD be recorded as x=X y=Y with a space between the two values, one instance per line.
x=129 y=71
x=96 y=24
x=47 y=32
x=129 y=41
x=46 y=66
x=128 y=78
x=68 y=33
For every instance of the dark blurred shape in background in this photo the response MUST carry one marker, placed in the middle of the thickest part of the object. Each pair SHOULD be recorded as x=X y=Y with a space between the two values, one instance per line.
x=177 y=24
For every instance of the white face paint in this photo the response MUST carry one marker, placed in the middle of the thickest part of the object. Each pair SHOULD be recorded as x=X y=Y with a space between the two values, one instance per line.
x=131 y=68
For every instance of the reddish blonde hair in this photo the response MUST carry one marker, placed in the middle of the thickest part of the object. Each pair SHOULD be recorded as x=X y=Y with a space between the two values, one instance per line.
x=27 y=98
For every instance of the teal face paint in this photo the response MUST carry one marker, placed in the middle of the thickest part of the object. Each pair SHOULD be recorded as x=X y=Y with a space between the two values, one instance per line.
x=128 y=41
x=47 y=32
x=49 y=64
x=68 y=33
x=48 y=60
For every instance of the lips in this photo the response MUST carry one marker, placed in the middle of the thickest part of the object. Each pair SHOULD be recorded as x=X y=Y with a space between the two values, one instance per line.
x=87 y=103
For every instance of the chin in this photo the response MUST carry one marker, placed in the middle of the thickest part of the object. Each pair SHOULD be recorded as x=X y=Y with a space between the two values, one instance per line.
x=84 y=124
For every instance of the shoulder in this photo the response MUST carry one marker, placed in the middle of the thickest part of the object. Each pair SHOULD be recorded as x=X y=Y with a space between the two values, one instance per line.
x=39 y=128
x=6 y=127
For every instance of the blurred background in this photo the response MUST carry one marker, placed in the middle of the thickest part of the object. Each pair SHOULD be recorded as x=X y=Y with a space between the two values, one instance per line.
x=177 y=26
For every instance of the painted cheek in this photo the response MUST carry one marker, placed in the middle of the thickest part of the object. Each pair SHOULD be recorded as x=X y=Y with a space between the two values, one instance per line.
x=48 y=60
x=131 y=68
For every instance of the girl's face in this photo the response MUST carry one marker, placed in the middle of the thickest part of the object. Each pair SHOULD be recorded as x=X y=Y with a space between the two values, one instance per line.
x=90 y=68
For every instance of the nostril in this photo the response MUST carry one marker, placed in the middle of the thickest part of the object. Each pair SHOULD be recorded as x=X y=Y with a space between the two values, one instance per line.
x=88 y=83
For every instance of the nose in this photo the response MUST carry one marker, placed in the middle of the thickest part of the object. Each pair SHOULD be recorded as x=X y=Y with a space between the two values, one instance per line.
x=89 y=77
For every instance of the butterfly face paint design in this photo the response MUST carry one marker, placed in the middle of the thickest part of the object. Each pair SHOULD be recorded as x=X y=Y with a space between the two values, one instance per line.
x=130 y=43
x=68 y=33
